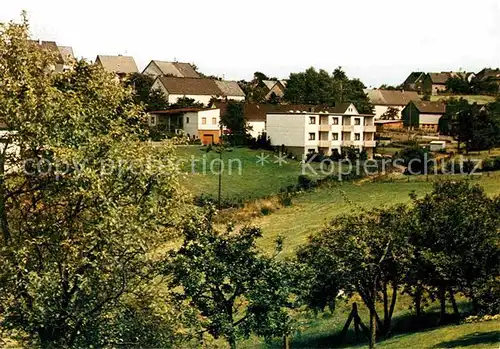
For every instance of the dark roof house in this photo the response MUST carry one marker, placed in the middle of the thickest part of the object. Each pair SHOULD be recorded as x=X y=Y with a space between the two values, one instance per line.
x=413 y=81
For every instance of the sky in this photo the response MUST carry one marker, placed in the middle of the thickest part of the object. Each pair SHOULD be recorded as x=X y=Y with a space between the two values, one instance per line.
x=379 y=42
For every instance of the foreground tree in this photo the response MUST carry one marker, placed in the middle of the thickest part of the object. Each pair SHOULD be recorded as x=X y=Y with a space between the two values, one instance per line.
x=234 y=120
x=237 y=290
x=368 y=254
x=82 y=204
x=457 y=242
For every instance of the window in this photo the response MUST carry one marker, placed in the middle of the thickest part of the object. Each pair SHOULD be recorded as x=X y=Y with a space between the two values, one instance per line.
x=357 y=137
x=335 y=136
x=214 y=121
x=335 y=121
x=187 y=120
x=357 y=121
x=312 y=120
x=203 y=121
x=312 y=136
x=311 y=151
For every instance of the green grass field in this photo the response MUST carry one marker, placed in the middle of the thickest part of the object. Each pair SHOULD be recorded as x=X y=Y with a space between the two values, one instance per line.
x=321 y=330
x=484 y=335
x=479 y=99
x=243 y=177
x=312 y=210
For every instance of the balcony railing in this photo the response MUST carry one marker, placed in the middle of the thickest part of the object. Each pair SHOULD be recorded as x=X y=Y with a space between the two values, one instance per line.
x=347 y=128
x=325 y=128
x=370 y=128
x=347 y=143
x=324 y=143
x=370 y=144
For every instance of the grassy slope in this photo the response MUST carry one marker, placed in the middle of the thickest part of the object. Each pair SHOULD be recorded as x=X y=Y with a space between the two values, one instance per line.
x=254 y=181
x=311 y=211
x=478 y=336
x=479 y=99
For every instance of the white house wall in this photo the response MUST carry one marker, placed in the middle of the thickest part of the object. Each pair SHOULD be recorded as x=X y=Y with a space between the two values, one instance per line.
x=381 y=109
x=172 y=98
x=288 y=129
x=209 y=115
x=258 y=127
x=429 y=119
x=190 y=124
x=152 y=69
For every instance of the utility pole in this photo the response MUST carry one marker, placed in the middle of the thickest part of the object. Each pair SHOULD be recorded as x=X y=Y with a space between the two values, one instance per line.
x=220 y=167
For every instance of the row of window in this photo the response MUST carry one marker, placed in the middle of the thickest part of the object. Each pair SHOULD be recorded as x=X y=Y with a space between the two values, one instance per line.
x=335 y=120
x=335 y=136
x=204 y=121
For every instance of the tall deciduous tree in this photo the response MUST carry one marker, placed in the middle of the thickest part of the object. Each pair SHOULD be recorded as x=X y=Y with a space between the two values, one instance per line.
x=319 y=87
x=237 y=290
x=82 y=203
x=367 y=253
x=456 y=240
x=234 y=120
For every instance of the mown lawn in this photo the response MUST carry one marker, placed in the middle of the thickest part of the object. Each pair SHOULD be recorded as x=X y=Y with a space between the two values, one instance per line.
x=311 y=211
x=483 y=335
x=321 y=331
x=479 y=99
x=242 y=178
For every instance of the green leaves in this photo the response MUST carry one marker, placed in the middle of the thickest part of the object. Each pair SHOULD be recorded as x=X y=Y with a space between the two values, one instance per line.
x=85 y=207
x=237 y=290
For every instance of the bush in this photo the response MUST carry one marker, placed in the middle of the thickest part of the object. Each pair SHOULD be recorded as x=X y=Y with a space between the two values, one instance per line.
x=286 y=199
x=491 y=164
x=306 y=183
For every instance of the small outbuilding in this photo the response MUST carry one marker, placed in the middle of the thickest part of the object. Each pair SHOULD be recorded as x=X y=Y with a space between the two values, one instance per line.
x=437 y=145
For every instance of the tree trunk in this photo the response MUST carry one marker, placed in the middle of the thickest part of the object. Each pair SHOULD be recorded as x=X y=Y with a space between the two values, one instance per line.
x=418 y=301
x=456 y=312
x=368 y=302
x=386 y=308
x=442 y=301
x=373 y=321
x=286 y=342
x=4 y=227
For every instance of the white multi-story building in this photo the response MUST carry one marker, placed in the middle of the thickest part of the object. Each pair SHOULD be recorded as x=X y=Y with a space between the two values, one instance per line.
x=303 y=132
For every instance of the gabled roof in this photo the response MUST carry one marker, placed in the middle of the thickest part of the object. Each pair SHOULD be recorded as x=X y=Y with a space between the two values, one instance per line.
x=230 y=88
x=258 y=111
x=117 y=64
x=440 y=78
x=430 y=107
x=391 y=97
x=50 y=46
x=66 y=53
x=486 y=73
x=190 y=86
x=414 y=76
x=178 y=69
x=269 y=83
x=340 y=108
